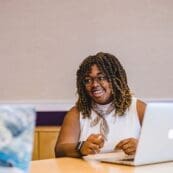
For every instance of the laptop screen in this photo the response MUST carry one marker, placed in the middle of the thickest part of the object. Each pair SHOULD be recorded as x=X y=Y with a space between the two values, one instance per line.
x=16 y=138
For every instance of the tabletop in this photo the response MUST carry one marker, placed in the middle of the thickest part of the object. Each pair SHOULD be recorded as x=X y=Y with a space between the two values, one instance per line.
x=76 y=165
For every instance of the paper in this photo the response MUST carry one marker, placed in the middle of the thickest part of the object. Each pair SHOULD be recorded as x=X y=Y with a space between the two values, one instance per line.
x=117 y=155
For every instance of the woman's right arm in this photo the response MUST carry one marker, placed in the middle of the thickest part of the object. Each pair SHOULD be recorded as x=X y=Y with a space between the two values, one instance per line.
x=69 y=135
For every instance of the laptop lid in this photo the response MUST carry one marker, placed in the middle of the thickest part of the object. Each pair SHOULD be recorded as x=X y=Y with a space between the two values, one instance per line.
x=16 y=138
x=156 y=140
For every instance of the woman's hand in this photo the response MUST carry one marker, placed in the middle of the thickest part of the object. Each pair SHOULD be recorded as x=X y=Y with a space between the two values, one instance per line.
x=128 y=145
x=93 y=144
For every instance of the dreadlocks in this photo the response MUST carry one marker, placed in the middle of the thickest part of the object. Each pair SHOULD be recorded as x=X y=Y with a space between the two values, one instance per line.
x=115 y=74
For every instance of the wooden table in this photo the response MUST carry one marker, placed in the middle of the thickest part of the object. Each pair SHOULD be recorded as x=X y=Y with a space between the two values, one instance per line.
x=73 y=165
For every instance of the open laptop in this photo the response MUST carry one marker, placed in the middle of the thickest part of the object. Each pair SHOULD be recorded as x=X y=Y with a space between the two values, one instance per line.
x=16 y=138
x=156 y=140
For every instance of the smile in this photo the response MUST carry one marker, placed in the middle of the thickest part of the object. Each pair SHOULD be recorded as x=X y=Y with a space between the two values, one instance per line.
x=98 y=92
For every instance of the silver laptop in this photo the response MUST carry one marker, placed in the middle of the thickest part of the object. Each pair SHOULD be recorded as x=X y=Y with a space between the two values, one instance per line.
x=156 y=139
x=16 y=138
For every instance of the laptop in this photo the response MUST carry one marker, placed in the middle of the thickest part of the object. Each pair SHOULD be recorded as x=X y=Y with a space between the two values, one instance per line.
x=16 y=138
x=156 y=139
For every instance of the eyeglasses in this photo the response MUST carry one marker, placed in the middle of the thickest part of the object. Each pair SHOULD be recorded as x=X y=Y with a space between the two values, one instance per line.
x=90 y=80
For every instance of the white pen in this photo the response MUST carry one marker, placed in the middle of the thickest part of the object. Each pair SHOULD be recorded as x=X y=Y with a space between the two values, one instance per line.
x=102 y=136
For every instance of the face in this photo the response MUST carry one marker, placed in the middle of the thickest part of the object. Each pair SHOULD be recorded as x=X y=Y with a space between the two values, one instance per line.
x=97 y=86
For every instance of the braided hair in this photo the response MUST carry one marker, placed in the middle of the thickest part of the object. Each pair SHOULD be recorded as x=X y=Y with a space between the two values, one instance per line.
x=115 y=74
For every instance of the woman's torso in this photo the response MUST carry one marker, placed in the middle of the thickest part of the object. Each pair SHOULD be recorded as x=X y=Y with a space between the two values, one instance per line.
x=120 y=127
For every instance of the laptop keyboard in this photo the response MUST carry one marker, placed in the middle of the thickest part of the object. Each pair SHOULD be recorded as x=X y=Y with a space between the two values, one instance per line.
x=128 y=158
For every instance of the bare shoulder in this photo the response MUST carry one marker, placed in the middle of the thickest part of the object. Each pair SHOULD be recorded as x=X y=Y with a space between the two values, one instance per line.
x=73 y=113
x=141 y=106
x=74 y=109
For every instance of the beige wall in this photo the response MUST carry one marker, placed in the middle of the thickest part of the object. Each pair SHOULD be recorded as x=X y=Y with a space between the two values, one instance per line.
x=42 y=43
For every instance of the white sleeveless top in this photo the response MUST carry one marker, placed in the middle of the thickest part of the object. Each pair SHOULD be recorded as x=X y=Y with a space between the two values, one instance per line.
x=120 y=127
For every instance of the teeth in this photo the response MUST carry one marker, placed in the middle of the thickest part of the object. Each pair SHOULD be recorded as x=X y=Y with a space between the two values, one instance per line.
x=97 y=93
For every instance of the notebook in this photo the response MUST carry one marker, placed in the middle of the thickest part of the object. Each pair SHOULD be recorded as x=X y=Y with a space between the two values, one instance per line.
x=156 y=139
x=16 y=138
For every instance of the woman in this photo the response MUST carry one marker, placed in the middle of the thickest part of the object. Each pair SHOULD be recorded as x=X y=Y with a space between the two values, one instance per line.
x=106 y=116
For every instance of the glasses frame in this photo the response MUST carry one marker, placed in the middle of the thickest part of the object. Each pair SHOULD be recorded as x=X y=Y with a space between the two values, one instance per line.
x=88 y=81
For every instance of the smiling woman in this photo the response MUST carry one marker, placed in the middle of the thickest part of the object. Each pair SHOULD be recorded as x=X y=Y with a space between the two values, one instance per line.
x=106 y=116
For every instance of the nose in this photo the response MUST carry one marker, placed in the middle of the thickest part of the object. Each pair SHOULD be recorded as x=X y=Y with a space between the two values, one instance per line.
x=95 y=83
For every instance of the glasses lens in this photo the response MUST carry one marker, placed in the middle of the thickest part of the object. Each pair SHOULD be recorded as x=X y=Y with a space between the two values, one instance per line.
x=90 y=80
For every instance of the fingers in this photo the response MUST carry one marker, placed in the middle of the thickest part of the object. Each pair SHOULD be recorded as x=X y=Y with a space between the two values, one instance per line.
x=92 y=148
x=128 y=145
x=123 y=142
x=96 y=139
x=93 y=144
x=128 y=148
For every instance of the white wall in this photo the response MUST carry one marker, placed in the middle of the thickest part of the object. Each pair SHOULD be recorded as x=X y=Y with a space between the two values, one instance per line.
x=42 y=42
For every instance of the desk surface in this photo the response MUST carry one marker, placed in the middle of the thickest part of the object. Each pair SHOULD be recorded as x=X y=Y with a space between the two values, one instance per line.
x=64 y=165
